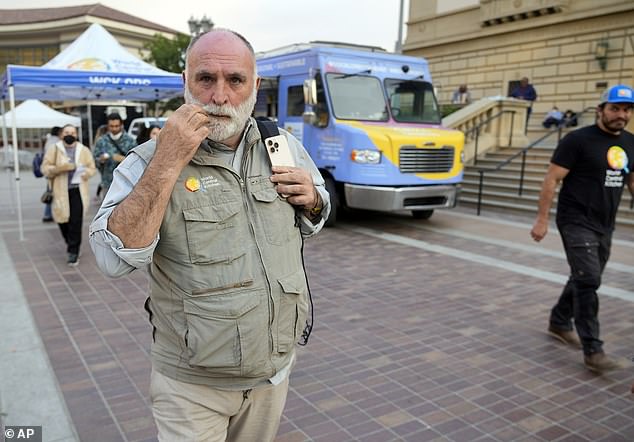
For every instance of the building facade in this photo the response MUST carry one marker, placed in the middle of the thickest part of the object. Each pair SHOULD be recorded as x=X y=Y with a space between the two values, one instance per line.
x=571 y=50
x=32 y=37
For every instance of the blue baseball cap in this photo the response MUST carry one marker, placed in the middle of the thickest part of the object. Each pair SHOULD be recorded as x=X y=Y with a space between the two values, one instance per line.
x=620 y=93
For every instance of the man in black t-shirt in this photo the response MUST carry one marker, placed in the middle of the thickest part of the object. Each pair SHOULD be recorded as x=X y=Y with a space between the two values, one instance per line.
x=594 y=163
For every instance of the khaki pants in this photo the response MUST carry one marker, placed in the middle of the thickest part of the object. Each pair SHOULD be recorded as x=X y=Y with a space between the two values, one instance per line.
x=190 y=412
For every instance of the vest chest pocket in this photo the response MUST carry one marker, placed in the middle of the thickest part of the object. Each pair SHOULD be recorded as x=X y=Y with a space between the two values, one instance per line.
x=212 y=233
x=277 y=216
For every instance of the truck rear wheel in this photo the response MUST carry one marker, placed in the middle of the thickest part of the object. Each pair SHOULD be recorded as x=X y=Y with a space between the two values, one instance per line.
x=334 y=202
x=422 y=214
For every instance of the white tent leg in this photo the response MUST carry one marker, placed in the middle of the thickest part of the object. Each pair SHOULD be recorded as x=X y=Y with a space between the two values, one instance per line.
x=89 y=111
x=5 y=157
x=5 y=141
x=16 y=161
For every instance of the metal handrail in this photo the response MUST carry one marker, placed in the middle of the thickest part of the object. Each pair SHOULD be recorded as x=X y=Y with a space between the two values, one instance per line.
x=523 y=154
x=484 y=123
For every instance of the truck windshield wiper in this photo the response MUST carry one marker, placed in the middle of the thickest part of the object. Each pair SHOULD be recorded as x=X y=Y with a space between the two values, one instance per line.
x=367 y=71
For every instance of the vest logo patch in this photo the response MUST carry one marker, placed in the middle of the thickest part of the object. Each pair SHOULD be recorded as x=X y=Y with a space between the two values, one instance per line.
x=192 y=184
x=209 y=181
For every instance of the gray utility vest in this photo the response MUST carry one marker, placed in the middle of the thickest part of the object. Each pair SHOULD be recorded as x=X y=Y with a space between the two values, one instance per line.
x=228 y=293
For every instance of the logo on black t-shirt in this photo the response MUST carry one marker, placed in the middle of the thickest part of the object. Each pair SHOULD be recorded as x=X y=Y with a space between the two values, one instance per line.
x=617 y=160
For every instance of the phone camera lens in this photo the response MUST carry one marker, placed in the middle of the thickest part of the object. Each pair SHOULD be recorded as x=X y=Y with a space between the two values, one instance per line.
x=272 y=149
x=277 y=145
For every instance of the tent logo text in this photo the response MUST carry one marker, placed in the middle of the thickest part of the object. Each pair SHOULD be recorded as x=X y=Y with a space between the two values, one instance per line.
x=116 y=80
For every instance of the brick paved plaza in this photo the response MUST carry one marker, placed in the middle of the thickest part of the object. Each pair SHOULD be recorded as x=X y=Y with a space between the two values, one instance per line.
x=424 y=330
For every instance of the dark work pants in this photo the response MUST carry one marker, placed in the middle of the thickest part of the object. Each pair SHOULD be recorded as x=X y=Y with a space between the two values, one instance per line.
x=587 y=252
x=71 y=231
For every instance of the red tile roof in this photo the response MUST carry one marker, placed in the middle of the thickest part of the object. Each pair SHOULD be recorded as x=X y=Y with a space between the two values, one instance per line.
x=24 y=16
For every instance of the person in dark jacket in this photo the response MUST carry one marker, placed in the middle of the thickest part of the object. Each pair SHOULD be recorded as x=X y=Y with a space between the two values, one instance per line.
x=525 y=91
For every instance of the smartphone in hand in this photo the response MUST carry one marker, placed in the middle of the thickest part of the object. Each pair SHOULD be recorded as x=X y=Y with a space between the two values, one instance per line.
x=279 y=152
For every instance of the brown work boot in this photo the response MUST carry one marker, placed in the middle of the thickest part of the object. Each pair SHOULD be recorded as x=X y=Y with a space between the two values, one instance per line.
x=568 y=337
x=600 y=363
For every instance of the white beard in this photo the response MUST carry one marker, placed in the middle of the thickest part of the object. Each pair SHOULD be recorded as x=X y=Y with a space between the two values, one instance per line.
x=219 y=128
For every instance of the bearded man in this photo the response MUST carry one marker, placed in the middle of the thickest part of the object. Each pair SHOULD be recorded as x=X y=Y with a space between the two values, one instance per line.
x=228 y=293
x=593 y=164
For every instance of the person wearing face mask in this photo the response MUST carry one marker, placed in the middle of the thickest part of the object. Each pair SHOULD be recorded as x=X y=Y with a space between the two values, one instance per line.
x=111 y=149
x=222 y=231
x=68 y=165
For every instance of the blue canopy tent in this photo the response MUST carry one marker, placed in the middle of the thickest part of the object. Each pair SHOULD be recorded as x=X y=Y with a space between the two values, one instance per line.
x=94 y=67
x=64 y=84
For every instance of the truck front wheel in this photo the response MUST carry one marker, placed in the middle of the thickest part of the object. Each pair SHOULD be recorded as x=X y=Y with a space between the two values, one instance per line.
x=422 y=214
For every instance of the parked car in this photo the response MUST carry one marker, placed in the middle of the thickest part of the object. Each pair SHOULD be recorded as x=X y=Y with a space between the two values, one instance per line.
x=137 y=123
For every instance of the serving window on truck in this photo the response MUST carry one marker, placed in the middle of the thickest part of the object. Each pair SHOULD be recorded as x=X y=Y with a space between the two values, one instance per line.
x=357 y=97
x=412 y=101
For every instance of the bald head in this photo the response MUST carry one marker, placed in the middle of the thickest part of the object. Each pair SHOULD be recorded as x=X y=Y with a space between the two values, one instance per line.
x=198 y=37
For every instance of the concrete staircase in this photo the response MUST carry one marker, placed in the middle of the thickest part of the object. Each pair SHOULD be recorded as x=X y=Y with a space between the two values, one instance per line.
x=500 y=188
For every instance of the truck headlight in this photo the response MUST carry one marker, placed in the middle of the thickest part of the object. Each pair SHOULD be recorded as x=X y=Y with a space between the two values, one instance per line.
x=365 y=156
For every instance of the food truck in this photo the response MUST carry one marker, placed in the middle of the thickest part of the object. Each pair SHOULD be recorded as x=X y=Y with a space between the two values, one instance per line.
x=370 y=121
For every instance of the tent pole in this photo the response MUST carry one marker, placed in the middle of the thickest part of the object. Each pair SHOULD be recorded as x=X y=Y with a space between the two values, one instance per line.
x=89 y=111
x=5 y=157
x=5 y=141
x=16 y=159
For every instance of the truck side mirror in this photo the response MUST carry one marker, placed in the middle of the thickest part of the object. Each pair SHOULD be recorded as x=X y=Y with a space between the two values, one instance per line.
x=309 y=117
x=310 y=91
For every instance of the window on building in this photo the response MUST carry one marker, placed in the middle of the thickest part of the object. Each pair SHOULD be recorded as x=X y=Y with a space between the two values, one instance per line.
x=512 y=85
x=26 y=56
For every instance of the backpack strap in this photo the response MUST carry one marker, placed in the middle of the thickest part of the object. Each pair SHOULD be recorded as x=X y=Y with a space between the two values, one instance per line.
x=116 y=144
x=267 y=128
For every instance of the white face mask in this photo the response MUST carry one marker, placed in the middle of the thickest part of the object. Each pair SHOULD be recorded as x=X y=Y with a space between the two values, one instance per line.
x=117 y=136
x=221 y=130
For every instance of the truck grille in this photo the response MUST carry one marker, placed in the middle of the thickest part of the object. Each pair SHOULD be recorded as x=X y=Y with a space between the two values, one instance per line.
x=415 y=160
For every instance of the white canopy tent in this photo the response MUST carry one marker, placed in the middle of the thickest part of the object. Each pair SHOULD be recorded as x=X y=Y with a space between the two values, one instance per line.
x=94 y=67
x=33 y=114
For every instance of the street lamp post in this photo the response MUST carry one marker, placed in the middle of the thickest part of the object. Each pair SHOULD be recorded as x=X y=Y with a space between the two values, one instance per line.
x=398 y=47
x=200 y=26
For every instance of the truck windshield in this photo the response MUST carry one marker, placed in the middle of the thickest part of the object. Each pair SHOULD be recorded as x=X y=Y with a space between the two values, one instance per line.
x=357 y=97
x=412 y=101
